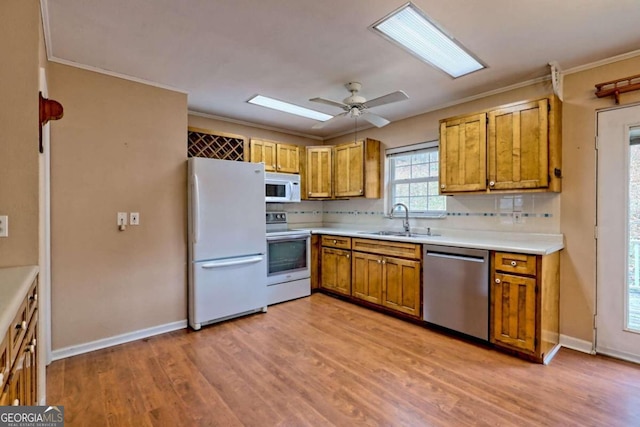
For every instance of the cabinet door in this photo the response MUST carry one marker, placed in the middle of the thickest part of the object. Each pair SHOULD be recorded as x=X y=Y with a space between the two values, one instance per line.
x=288 y=157
x=319 y=169
x=367 y=277
x=336 y=270
x=349 y=169
x=463 y=154
x=518 y=146
x=401 y=285
x=513 y=300
x=264 y=152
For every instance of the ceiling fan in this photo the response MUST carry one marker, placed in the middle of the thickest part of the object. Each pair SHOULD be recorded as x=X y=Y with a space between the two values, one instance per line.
x=357 y=106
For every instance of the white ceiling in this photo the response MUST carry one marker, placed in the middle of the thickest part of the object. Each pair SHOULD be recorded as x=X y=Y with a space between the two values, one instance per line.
x=223 y=52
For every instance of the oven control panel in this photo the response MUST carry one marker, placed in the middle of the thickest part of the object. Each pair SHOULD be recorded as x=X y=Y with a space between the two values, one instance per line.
x=276 y=218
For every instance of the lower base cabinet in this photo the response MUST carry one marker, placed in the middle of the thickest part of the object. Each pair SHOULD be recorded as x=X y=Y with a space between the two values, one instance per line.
x=335 y=264
x=525 y=304
x=402 y=285
x=20 y=380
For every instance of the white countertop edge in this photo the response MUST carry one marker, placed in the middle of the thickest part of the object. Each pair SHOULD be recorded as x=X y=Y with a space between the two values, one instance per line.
x=527 y=243
x=14 y=285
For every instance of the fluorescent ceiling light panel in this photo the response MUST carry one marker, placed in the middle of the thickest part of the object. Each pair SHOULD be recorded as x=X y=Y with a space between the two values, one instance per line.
x=412 y=30
x=288 y=108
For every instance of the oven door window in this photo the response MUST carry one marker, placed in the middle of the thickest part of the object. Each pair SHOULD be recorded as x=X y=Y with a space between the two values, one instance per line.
x=286 y=256
x=275 y=190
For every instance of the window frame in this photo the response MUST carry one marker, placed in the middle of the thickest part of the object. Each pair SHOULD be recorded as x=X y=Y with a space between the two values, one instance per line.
x=391 y=182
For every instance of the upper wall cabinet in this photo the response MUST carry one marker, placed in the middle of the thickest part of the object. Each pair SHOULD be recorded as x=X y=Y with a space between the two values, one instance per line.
x=276 y=157
x=346 y=170
x=512 y=148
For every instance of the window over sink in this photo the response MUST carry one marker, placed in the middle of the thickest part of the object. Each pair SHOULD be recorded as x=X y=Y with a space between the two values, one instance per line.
x=413 y=179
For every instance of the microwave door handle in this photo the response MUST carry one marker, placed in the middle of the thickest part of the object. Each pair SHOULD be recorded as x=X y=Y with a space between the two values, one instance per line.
x=195 y=215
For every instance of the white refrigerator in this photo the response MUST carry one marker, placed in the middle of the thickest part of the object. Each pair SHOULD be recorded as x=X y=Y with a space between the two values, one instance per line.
x=227 y=243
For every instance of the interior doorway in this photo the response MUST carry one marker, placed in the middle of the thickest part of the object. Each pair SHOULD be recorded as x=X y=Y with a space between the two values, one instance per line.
x=618 y=233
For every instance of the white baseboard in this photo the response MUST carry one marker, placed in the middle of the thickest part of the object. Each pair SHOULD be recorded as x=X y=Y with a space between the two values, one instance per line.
x=576 y=344
x=75 y=350
x=629 y=357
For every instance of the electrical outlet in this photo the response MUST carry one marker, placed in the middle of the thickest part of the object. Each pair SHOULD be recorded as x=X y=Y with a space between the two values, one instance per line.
x=4 y=226
x=517 y=217
x=122 y=218
x=134 y=218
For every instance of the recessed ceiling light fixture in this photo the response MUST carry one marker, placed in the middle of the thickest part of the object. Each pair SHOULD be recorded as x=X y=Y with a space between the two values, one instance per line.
x=410 y=28
x=274 y=104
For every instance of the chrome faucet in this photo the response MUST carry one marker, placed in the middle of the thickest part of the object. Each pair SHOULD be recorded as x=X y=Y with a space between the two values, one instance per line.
x=405 y=223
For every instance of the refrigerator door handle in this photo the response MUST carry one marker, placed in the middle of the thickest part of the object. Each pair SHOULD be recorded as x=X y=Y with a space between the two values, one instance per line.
x=196 y=209
x=227 y=263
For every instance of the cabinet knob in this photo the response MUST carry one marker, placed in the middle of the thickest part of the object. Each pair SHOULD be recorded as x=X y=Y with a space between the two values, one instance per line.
x=30 y=349
x=22 y=325
x=361 y=191
x=33 y=341
x=309 y=193
x=335 y=241
x=379 y=261
x=348 y=255
x=33 y=297
x=279 y=167
x=513 y=263
x=16 y=402
x=497 y=280
x=1 y=379
x=384 y=261
x=492 y=183
x=442 y=186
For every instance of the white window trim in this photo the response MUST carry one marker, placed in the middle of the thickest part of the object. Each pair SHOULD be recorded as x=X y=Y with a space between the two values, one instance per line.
x=390 y=152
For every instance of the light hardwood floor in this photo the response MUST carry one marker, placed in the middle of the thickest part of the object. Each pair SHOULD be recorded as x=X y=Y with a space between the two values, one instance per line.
x=320 y=361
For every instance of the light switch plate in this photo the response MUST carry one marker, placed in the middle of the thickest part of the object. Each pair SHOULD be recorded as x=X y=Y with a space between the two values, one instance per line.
x=134 y=218
x=122 y=218
x=4 y=226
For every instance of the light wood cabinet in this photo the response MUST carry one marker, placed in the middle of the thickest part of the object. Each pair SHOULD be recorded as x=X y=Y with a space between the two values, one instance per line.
x=388 y=273
x=318 y=170
x=335 y=264
x=19 y=356
x=515 y=147
x=277 y=157
x=463 y=155
x=524 y=304
x=367 y=277
x=346 y=170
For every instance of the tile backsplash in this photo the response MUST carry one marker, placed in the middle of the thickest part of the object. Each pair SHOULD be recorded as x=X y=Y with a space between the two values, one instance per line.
x=530 y=212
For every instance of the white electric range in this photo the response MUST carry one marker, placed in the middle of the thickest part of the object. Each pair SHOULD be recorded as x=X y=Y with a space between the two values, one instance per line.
x=288 y=260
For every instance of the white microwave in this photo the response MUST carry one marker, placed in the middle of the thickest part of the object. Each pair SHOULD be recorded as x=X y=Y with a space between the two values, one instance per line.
x=281 y=187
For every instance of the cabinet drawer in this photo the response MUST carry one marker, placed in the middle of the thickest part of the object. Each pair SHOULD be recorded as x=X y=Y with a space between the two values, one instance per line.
x=385 y=247
x=4 y=361
x=515 y=263
x=17 y=330
x=337 y=242
x=32 y=299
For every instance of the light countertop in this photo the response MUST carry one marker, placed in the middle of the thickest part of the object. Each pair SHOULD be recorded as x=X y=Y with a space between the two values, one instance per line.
x=526 y=243
x=14 y=285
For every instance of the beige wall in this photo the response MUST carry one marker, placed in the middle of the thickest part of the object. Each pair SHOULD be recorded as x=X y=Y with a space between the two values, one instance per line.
x=579 y=189
x=120 y=147
x=19 y=195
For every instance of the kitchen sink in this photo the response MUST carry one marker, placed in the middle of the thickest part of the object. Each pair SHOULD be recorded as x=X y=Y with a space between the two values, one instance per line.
x=398 y=233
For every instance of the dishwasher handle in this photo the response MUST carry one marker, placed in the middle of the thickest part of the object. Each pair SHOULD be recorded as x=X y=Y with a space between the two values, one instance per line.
x=456 y=257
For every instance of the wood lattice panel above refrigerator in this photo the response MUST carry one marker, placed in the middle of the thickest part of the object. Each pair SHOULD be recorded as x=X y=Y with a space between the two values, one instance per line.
x=216 y=145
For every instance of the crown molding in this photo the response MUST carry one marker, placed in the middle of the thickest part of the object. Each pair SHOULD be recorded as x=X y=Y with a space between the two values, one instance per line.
x=602 y=62
x=254 y=125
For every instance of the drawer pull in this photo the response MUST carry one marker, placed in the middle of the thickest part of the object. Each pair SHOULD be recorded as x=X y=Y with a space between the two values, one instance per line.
x=497 y=280
x=513 y=263
x=22 y=325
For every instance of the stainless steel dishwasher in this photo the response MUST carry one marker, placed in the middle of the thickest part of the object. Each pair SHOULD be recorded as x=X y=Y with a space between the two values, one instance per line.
x=456 y=289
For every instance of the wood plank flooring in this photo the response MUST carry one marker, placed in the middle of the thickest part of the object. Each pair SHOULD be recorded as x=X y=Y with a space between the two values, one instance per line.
x=320 y=361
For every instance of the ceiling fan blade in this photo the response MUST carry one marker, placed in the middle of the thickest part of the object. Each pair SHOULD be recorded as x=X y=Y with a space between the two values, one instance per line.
x=329 y=102
x=375 y=120
x=386 y=99
x=320 y=125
